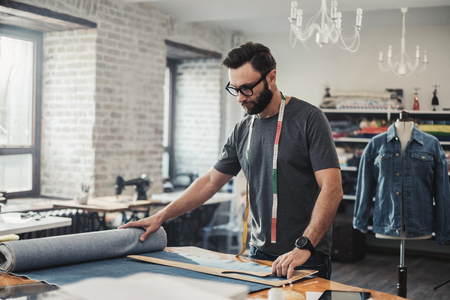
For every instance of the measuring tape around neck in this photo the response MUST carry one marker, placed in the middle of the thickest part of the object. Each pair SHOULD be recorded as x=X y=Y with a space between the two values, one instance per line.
x=274 y=176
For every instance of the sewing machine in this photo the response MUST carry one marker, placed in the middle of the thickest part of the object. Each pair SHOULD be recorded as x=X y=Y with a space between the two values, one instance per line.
x=142 y=185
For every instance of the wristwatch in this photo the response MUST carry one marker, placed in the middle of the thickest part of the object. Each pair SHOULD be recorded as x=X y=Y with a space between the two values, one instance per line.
x=304 y=243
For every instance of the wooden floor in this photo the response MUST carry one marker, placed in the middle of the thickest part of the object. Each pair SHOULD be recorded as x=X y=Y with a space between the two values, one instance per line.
x=378 y=271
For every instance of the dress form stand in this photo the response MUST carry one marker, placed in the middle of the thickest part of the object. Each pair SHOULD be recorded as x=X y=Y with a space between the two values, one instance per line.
x=403 y=127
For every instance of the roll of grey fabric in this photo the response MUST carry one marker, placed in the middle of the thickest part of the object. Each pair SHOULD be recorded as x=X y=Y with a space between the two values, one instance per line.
x=77 y=248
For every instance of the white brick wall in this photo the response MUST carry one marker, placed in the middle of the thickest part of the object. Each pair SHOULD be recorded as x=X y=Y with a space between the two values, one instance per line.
x=68 y=111
x=130 y=76
x=103 y=94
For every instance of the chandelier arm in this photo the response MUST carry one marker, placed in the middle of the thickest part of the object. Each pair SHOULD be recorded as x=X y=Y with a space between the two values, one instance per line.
x=424 y=66
x=353 y=36
x=393 y=65
x=334 y=34
x=354 y=46
x=313 y=20
x=411 y=66
x=422 y=69
x=407 y=62
x=382 y=68
x=305 y=35
x=293 y=41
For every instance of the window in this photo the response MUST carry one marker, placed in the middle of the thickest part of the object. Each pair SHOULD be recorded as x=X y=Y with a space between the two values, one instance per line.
x=191 y=113
x=20 y=87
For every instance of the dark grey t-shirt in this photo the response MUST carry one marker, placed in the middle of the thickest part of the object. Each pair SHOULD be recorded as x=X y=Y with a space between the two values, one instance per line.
x=306 y=145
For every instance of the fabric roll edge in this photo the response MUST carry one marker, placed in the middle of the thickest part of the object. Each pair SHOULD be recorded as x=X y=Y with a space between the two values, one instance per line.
x=7 y=257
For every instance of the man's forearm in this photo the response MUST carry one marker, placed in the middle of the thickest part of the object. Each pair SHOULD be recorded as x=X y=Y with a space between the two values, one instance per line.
x=324 y=210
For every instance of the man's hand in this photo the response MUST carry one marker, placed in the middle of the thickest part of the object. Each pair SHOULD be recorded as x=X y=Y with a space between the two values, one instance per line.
x=149 y=224
x=285 y=264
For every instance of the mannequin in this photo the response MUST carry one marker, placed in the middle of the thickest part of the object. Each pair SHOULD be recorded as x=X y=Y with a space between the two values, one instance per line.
x=407 y=194
x=403 y=127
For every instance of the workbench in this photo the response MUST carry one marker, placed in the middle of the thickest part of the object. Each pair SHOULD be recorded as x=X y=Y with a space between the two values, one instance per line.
x=8 y=282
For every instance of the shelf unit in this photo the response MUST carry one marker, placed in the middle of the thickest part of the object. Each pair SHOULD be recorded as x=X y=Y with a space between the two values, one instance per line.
x=355 y=116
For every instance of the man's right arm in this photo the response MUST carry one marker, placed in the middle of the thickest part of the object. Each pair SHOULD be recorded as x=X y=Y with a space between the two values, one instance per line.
x=195 y=195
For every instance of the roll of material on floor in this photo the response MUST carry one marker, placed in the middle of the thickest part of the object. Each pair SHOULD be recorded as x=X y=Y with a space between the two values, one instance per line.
x=77 y=248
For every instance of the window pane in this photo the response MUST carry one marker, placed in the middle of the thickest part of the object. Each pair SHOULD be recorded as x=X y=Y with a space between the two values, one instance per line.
x=16 y=172
x=16 y=91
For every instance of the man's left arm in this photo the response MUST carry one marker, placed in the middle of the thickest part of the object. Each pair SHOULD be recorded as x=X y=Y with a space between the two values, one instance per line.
x=330 y=183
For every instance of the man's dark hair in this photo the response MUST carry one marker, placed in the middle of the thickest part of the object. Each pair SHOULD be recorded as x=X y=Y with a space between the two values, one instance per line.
x=257 y=55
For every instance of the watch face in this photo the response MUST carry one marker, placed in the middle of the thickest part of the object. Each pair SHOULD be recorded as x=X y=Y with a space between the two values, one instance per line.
x=301 y=242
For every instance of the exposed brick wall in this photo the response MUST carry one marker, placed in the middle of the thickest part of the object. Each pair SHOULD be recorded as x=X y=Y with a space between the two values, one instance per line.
x=197 y=115
x=108 y=121
x=68 y=111
x=129 y=99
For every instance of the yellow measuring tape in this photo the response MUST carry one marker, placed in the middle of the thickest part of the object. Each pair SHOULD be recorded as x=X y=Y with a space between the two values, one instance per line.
x=244 y=234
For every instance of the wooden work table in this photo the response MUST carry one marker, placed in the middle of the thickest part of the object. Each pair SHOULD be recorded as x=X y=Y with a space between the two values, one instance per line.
x=302 y=286
x=108 y=204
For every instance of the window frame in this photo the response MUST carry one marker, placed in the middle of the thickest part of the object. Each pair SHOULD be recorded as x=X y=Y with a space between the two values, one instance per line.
x=172 y=65
x=35 y=148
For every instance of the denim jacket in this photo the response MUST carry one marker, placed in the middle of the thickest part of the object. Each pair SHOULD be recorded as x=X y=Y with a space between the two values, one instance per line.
x=420 y=179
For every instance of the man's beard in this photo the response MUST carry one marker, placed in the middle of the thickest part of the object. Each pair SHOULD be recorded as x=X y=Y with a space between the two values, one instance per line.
x=261 y=101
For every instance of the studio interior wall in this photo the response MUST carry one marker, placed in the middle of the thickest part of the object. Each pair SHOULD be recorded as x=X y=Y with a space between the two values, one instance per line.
x=123 y=97
x=306 y=74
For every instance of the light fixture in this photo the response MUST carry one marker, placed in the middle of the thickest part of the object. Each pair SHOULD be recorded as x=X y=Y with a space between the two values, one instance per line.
x=400 y=64
x=329 y=32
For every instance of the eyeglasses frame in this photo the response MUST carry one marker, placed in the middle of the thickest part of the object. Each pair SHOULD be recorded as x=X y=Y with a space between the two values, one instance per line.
x=238 y=90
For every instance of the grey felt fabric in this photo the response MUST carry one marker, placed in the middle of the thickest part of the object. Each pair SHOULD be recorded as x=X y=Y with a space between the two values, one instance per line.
x=77 y=248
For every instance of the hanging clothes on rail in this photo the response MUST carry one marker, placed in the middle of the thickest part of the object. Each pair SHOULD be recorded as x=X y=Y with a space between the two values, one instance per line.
x=420 y=181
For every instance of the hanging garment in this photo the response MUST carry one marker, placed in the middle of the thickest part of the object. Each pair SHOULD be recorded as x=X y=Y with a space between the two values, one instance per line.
x=420 y=179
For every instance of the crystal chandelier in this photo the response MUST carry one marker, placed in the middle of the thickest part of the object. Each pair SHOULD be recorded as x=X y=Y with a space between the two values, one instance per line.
x=329 y=30
x=401 y=65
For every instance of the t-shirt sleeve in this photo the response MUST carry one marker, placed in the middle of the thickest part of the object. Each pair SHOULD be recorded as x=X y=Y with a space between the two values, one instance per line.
x=228 y=161
x=322 y=149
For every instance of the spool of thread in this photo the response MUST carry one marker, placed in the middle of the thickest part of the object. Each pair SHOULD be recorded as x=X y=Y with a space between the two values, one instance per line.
x=276 y=294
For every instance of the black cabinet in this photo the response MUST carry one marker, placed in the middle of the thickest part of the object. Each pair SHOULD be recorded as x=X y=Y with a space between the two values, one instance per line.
x=349 y=245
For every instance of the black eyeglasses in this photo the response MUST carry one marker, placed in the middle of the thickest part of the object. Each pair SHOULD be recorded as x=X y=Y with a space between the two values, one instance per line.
x=244 y=90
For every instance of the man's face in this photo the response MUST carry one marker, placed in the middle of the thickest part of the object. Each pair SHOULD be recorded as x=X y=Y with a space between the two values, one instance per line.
x=260 y=94
x=259 y=103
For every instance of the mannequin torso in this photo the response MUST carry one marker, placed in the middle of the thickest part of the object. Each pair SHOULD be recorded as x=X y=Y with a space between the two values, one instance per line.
x=404 y=131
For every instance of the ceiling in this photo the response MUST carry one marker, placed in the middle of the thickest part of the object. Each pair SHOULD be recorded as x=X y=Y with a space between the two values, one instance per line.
x=251 y=17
